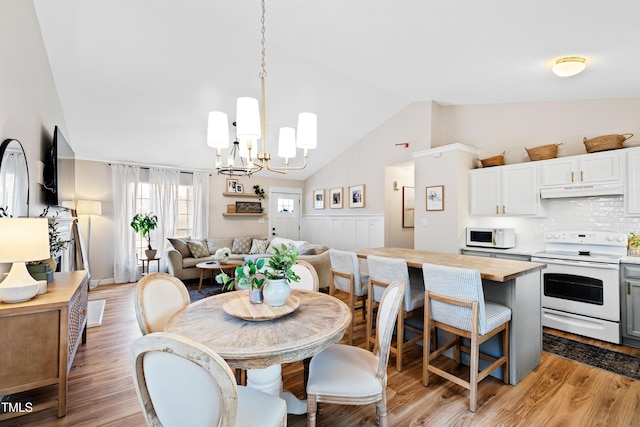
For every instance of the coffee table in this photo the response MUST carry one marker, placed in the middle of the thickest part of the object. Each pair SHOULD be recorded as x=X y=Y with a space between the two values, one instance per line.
x=214 y=265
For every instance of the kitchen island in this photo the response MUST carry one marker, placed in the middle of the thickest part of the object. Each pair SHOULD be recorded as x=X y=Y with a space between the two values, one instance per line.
x=515 y=284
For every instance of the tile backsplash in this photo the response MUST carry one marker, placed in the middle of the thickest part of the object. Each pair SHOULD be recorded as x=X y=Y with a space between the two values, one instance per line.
x=585 y=213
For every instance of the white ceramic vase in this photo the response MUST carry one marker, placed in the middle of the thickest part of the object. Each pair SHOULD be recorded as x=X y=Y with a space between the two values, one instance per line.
x=276 y=292
x=223 y=260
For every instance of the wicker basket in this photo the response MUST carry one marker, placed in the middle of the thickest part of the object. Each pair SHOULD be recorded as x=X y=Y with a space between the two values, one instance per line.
x=493 y=161
x=605 y=142
x=543 y=152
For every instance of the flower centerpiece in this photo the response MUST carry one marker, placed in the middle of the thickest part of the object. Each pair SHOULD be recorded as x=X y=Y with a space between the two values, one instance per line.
x=634 y=244
x=279 y=274
x=249 y=275
x=222 y=255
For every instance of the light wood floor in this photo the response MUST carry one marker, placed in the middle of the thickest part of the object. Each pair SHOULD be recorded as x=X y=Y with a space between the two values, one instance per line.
x=558 y=393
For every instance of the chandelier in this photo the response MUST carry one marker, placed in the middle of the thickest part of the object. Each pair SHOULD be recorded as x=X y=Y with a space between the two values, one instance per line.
x=251 y=127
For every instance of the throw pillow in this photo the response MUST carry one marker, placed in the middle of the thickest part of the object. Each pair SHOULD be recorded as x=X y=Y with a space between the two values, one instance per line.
x=306 y=249
x=181 y=246
x=241 y=245
x=259 y=246
x=198 y=248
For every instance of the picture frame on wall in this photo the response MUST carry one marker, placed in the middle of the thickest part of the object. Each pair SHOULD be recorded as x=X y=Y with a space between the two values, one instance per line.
x=335 y=198
x=318 y=199
x=356 y=196
x=239 y=188
x=408 y=207
x=435 y=198
x=231 y=185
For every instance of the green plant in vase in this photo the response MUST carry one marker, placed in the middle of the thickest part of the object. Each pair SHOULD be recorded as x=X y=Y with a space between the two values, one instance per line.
x=144 y=224
x=247 y=276
x=634 y=244
x=279 y=274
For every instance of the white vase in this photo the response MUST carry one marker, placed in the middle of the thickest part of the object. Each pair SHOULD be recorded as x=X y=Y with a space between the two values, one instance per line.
x=223 y=260
x=276 y=292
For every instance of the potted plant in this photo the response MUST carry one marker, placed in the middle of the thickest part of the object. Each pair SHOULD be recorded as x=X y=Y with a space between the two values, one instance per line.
x=279 y=274
x=259 y=191
x=143 y=224
x=634 y=244
x=249 y=275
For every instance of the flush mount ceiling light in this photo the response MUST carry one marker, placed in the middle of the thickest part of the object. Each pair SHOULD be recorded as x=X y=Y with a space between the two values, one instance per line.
x=251 y=127
x=569 y=66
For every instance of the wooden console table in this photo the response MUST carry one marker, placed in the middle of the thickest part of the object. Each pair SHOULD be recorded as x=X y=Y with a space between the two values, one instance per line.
x=39 y=341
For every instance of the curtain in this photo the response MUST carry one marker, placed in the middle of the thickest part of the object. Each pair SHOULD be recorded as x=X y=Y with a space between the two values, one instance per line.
x=164 y=203
x=200 y=205
x=124 y=180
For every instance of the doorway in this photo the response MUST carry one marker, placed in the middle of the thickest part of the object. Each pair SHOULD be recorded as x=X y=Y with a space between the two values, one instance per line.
x=284 y=212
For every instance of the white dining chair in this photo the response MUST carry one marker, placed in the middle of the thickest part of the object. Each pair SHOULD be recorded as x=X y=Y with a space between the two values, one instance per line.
x=382 y=271
x=349 y=375
x=308 y=276
x=157 y=297
x=454 y=302
x=180 y=382
x=346 y=276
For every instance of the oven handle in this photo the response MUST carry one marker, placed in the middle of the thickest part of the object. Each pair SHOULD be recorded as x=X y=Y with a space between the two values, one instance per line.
x=600 y=265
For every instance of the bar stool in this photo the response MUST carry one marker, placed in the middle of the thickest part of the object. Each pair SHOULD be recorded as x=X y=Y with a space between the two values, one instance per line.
x=454 y=302
x=345 y=268
x=382 y=271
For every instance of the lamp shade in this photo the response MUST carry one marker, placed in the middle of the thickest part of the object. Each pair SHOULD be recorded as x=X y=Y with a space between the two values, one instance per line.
x=287 y=143
x=218 y=130
x=570 y=66
x=307 y=131
x=24 y=239
x=248 y=119
x=89 y=207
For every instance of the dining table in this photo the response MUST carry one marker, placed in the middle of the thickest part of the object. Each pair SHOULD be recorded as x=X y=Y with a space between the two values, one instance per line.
x=513 y=283
x=262 y=342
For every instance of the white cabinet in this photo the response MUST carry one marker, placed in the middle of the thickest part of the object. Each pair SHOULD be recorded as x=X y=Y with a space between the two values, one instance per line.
x=630 y=304
x=632 y=190
x=583 y=169
x=505 y=190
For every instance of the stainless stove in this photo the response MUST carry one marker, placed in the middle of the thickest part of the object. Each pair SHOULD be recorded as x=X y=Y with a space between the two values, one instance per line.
x=580 y=286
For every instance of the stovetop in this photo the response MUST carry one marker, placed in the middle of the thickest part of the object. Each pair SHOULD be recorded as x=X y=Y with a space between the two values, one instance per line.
x=590 y=246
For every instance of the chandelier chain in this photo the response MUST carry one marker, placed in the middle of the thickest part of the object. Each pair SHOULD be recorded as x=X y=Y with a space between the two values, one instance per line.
x=263 y=66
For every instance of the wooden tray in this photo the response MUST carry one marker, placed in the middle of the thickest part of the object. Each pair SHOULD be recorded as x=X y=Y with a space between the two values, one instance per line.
x=242 y=308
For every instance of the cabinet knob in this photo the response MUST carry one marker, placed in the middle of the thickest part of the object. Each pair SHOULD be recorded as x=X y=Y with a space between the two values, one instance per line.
x=581 y=176
x=84 y=312
x=504 y=210
x=572 y=174
x=497 y=210
x=628 y=288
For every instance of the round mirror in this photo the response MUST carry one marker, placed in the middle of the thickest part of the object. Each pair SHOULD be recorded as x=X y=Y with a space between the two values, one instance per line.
x=14 y=180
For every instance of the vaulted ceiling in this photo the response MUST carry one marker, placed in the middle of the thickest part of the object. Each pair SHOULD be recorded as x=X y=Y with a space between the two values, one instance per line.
x=136 y=78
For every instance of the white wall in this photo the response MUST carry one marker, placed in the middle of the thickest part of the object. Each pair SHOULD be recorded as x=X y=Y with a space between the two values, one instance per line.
x=396 y=236
x=29 y=104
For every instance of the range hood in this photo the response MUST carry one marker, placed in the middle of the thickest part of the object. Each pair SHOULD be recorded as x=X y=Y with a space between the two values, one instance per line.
x=585 y=190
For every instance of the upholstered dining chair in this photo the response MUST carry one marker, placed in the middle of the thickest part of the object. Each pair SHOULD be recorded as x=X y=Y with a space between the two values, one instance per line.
x=157 y=297
x=308 y=276
x=382 y=271
x=349 y=375
x=345 y=276
x=454 y=302
x=180 y=382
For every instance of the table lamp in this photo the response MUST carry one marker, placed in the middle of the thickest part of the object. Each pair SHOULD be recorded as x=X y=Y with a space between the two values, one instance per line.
x=22 y=240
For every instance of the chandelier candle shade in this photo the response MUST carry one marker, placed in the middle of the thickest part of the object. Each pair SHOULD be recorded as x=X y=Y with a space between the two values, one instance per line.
x=22 y=240
x=251 y=127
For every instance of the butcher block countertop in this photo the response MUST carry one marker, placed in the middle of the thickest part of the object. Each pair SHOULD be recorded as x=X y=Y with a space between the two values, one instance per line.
x=496 y=269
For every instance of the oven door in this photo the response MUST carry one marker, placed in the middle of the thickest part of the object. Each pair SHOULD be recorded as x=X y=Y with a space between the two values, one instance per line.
x=586 y=288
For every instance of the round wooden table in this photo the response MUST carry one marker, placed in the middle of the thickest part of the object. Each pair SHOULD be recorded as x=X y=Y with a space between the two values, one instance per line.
x=262 y=346
x=215 y=265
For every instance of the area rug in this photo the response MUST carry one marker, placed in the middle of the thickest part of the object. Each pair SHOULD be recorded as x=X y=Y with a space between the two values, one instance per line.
x=95 y=311
x=208 y=289
x=612 y=361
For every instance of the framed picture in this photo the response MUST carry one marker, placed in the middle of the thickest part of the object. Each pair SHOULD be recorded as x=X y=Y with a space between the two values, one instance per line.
x=239 y=188
x=231 y=185
x=335 y=195
x=435 y=198
x=408 y=207
x=356 y=196
x=318 y=199
x=248 y=207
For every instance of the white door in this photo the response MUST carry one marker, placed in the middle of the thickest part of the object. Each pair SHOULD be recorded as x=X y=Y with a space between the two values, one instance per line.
x=284 y=214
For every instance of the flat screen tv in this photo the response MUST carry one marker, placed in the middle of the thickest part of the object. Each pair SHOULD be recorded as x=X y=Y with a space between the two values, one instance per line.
x=59 y=170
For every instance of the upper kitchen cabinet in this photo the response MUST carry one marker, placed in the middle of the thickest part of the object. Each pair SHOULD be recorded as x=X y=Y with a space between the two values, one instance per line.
x=505 y=191
x=583 y=169
x=632 y=190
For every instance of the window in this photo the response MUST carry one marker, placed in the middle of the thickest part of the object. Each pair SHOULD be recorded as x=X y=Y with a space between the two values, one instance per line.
x=185 y=212
x=286 y=205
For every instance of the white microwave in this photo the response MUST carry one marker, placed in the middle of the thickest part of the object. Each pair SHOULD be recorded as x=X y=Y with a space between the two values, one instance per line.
x=500 y=238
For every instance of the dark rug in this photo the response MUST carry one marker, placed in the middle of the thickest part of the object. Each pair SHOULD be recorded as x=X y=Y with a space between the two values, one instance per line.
x=208 y=289
x=612 y=361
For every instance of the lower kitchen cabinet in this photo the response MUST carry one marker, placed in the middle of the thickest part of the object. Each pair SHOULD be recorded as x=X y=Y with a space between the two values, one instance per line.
x=630 y=304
